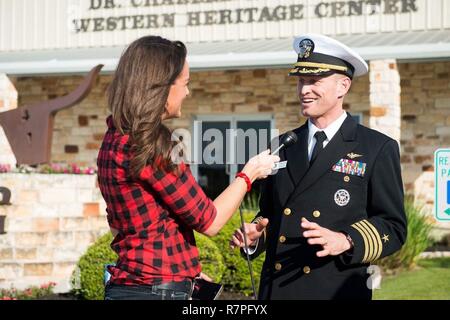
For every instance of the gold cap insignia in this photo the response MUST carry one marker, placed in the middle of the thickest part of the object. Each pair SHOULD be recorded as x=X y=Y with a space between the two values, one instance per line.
x=306 y=47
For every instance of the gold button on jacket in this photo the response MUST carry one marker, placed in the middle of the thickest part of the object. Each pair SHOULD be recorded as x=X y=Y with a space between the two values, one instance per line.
x=278 y=266
x=306 y=269
x=316 y=213
x=287 y=211
x=282 y=239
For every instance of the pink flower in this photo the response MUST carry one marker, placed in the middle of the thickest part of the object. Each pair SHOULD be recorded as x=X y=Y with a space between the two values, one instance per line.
x=48 y=285
x=5 y=168
x=89 y=170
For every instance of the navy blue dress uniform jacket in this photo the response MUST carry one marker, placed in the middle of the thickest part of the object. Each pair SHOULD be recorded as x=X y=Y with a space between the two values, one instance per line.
x=354 y=186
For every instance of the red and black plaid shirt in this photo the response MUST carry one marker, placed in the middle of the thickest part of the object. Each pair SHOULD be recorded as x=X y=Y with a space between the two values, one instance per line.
x=155 y=216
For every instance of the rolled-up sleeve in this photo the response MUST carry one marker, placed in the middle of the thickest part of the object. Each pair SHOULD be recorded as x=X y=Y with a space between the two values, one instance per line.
x=182 y=195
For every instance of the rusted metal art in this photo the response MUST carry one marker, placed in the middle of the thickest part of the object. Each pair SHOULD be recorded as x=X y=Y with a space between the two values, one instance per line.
x=5 y=194
x=29 y=129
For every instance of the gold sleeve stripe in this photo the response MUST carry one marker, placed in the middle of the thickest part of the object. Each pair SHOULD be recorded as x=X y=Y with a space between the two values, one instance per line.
x=377 y=237
x=320 y=65
x=374 y=246
x=372 y=238
x=366 y=241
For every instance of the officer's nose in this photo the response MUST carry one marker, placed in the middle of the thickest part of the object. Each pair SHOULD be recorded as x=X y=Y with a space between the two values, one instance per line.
x=304 y=89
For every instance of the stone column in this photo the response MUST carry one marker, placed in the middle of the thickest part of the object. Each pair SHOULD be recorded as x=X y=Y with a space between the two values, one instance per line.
x=385 y=112
x=8 y=101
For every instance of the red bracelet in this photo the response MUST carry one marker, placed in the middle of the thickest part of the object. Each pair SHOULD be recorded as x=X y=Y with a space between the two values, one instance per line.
x=247 y=180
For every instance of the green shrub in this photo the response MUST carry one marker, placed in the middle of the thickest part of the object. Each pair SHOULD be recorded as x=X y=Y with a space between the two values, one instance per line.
x=418 y=239
x=87 y=279
x=251 y=201
x=213 y=263
x=237 y=276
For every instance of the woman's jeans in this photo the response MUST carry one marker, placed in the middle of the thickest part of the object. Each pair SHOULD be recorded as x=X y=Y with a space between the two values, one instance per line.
x=166 y=291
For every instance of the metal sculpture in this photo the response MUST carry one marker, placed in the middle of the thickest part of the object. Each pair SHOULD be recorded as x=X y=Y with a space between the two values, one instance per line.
x=29 y=129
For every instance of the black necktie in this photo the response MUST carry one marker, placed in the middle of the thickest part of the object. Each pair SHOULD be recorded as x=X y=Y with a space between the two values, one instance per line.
x=320 y=138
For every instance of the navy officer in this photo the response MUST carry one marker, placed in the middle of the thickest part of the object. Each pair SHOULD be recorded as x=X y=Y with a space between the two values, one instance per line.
x=338 y=206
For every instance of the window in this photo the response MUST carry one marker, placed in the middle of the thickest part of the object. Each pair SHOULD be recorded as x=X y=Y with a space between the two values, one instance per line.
x=240 y=138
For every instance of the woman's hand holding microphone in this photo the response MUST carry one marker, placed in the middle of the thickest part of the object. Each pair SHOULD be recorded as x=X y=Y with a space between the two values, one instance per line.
x=260 y=166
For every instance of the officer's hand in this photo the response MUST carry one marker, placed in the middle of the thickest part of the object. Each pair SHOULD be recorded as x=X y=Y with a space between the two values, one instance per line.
x=333 y=243
x=252 y=230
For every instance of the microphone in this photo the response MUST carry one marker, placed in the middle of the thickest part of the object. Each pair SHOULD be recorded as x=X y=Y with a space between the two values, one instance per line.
x=288 y=139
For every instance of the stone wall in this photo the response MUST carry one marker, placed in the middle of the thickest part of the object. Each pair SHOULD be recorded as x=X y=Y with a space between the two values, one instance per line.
x=50 y=223
x=425 y=107
x=425 y=111
x=79 y=130
x=8 y=101
x=385 y=110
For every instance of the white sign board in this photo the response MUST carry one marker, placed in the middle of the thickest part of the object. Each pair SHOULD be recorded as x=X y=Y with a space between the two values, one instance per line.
x=442 y=184
x=57 y=24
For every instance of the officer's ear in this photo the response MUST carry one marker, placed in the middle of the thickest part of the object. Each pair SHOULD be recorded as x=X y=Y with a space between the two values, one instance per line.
x=343 y=85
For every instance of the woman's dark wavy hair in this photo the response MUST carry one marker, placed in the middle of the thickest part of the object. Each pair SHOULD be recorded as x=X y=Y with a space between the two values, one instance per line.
x=137 y=98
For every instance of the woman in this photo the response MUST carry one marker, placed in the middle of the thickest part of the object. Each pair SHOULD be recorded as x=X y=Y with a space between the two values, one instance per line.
x=153 y=204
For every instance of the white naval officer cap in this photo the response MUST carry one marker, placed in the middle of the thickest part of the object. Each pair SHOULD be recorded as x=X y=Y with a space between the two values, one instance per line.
x=319 y=55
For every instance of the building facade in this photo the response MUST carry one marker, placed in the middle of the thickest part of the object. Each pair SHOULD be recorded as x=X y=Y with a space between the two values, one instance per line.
x=240 y=52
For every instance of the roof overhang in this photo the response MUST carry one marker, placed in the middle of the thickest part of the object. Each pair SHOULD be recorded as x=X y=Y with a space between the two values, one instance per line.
x=413 y=45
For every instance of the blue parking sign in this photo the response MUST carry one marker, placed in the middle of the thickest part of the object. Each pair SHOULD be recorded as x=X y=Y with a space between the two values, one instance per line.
x=442 y=184
x=448 y=192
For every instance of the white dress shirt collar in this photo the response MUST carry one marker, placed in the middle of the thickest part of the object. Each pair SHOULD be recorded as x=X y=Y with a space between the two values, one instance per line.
x=330 y=131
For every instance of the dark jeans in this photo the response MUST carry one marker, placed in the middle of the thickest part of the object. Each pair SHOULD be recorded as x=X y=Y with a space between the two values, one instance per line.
x=165 y=291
